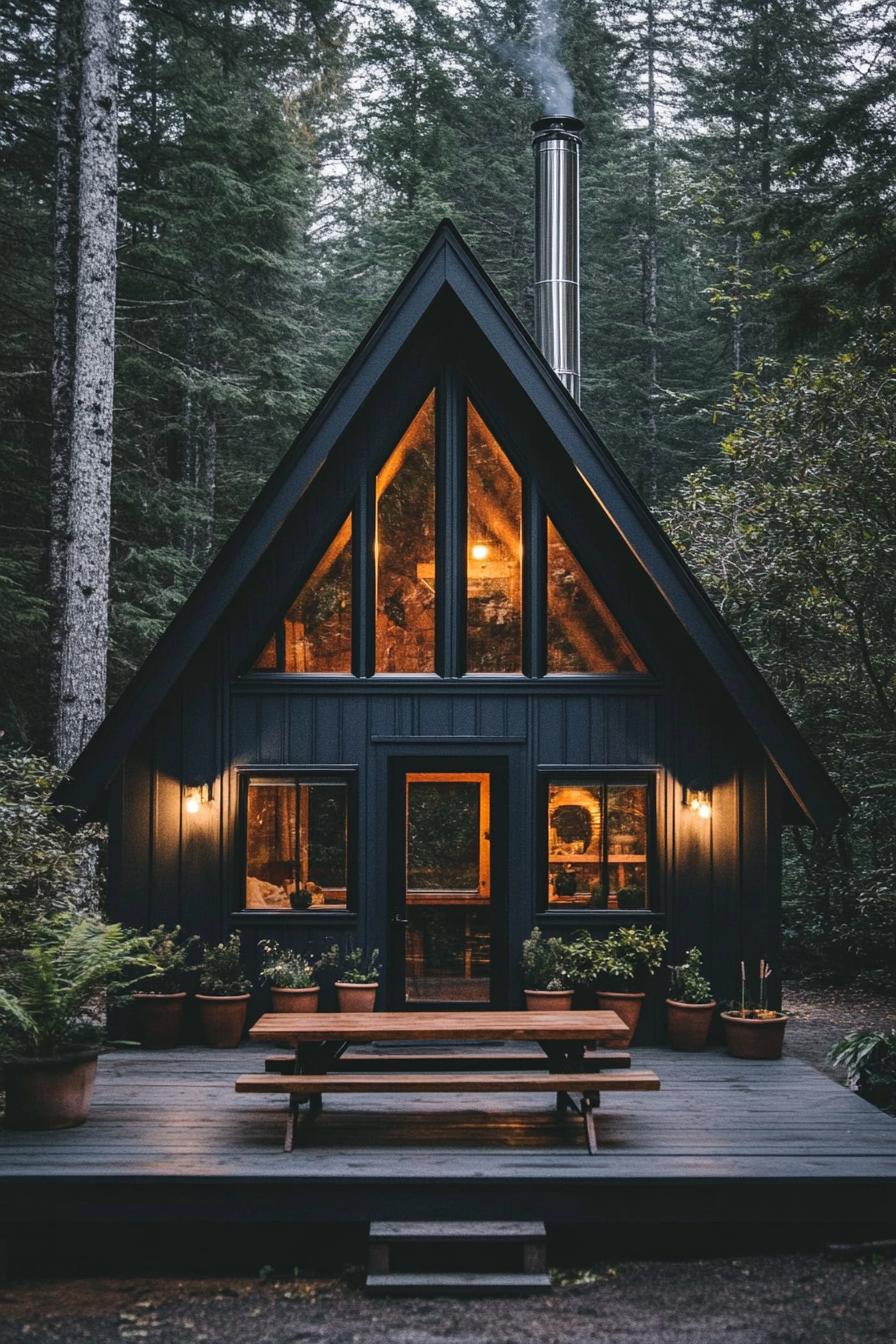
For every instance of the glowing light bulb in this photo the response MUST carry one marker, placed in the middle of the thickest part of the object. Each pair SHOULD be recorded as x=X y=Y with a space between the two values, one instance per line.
x=704 y=810
x=191 y=802
x=479 y=551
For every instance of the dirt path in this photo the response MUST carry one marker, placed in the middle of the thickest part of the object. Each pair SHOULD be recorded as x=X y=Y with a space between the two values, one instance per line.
x=820 y=1015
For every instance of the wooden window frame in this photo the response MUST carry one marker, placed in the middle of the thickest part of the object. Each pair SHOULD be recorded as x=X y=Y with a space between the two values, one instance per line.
x=296 y=775
x=604 y=778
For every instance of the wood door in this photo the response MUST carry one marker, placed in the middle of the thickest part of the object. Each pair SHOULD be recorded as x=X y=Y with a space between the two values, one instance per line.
x=442 y=908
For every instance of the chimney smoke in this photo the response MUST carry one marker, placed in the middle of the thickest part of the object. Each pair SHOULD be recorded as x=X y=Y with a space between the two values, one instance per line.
x=555 y=142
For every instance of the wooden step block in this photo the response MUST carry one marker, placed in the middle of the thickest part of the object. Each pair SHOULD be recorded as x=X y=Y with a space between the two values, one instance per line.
x=458 y=1284
x=456 y=1231
x=460 y=1257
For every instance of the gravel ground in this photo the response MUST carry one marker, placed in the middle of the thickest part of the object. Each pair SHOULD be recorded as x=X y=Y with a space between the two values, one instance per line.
x=784 y=1298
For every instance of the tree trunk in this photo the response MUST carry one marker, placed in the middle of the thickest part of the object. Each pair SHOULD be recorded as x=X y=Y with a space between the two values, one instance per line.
x=650 y=256
x=84 y=625
x=68 y=25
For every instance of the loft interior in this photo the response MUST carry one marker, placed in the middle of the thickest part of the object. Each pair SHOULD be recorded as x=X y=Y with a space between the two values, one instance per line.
x=448 y=679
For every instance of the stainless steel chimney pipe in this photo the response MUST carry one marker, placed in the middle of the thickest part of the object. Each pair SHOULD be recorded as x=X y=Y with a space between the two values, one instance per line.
x=555 y=142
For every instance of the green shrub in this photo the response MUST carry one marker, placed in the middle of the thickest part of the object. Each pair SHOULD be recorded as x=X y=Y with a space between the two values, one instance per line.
x=617 y=961
x=170 y=954
x=544 y=962
x=284 y=968
x=220 y=971
x=49 y=1004
x=47 y=866
x=687 y=983
x=869 y=1058
x=355 y=967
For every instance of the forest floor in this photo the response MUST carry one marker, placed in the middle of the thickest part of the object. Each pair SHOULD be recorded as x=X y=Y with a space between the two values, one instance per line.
x=788 y=1297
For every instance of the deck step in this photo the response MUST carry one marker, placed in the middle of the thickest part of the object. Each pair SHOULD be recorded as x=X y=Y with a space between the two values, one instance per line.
x=468 y=1285
x=457 y=1256
x=456 y=1231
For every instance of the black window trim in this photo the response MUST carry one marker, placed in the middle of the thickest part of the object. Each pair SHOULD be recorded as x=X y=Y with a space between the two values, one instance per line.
x=304 y=774
x=605 y=775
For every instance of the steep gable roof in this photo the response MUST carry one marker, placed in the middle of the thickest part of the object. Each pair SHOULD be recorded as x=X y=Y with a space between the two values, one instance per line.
x=447 y=263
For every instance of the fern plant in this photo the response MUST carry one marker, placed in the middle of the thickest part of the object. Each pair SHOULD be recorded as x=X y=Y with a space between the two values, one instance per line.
x=52 y=983
x=869 y=1058
x=356 y=967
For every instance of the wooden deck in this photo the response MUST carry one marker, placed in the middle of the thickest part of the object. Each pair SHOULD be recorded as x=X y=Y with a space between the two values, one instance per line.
x=724 y=1141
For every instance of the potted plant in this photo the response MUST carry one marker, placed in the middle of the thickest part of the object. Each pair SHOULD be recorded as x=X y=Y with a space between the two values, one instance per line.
x=598 y=895
x=690 y=1004
x=357 y=978
x=545 y=974
x=630 y=897
x=565 y=882
x=304 y=897
x=754 y=1031
x=223 y=994
x=162 y=995
x=291 y=976
x=49 y=1034
x=614 y=965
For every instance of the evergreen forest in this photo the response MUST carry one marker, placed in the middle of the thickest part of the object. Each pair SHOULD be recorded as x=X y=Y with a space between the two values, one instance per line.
x=188 y=265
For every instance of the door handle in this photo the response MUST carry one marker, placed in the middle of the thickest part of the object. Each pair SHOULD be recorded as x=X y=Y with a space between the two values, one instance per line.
x=400 y=919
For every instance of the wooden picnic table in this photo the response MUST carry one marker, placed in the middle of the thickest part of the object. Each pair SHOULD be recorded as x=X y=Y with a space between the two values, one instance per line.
x=320 y=1039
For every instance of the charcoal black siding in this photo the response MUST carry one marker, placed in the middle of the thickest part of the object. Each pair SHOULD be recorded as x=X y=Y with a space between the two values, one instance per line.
x=716 y=884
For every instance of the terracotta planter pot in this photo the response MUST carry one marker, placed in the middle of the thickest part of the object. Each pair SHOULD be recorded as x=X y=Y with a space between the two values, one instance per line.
x=160 y=1017
x=223 y=1018
x=688 y=1024
x=754 y=1037
x=548 y=1000
x=628 y=1007
x=49 y=1093
x=295 y=1000
x=355 y=998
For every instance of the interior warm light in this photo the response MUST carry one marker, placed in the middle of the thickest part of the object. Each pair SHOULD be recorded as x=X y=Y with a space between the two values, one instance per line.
x=704 y=810
x=479 y=551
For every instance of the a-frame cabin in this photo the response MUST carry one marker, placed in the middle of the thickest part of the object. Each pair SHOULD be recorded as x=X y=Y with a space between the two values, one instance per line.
x=448 y=680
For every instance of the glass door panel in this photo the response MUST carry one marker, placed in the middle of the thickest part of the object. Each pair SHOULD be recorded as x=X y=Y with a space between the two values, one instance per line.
x=447 y=889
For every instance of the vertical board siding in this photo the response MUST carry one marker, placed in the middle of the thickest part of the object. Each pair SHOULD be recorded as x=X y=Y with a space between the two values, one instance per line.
x=717 y=883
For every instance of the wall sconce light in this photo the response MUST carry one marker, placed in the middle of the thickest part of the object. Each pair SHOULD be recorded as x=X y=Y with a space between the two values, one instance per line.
x=195 y=795
x=479 y=550
x=698 y=801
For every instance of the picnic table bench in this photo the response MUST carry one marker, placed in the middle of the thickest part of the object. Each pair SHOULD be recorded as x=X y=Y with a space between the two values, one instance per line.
x=320 y=1041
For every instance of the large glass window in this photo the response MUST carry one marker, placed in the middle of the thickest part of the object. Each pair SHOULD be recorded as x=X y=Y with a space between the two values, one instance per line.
x=583 y=634
x=406 y=550
x=316 y=634
x=296 y=843
x=494 y=554
x=598 y=835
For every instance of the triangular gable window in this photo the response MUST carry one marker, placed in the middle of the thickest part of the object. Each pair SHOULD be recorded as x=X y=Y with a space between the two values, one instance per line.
x=583 y=634
x=406 y=550
x=316 y=633
x=449 y=523
x=494 y=554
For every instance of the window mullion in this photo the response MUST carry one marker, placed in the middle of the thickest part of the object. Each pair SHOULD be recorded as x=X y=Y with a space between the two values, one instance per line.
x=534 y=582
x=364 y=578
x=451 y=551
